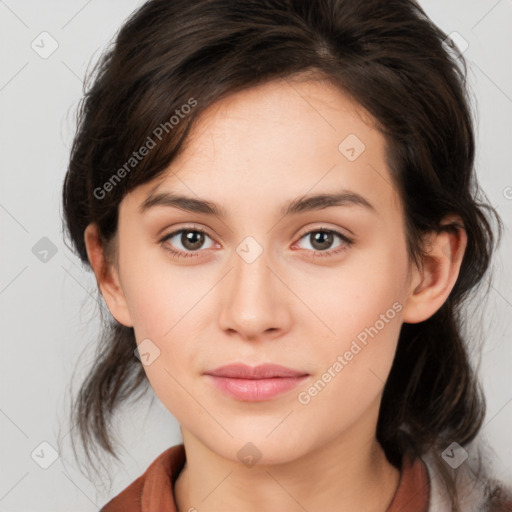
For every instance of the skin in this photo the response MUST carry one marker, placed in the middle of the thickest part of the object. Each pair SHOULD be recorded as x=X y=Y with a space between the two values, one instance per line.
x=252 y=153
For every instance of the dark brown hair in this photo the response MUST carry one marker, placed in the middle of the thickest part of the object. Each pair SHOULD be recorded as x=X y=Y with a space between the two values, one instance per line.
x=384 y=54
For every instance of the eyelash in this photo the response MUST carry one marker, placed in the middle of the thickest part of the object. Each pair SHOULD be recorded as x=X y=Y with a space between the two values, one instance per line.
x=182 y=254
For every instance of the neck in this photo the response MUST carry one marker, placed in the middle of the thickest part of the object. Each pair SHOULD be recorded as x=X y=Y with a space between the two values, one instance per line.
x=346 y=474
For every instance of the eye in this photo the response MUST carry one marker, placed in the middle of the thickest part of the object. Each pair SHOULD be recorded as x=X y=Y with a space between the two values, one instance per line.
x=191 y=240
x=322 y=239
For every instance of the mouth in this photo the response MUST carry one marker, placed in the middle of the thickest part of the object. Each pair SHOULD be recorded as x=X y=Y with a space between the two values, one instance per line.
x=254 y=384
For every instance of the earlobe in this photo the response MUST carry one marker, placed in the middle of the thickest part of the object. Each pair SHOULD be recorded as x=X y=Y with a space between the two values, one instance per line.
x=107 y=277
x=430 y=287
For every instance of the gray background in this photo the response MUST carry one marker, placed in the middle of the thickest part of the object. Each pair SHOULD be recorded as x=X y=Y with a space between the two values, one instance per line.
x=48 y=307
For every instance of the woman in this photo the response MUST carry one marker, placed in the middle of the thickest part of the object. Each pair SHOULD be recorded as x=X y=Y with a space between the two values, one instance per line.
x=279 y=204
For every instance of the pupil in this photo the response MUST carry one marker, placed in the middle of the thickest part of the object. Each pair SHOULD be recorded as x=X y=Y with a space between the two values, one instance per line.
x=327 y=239
x=187 y=239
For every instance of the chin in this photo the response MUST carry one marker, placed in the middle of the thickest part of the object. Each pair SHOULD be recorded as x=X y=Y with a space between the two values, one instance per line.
x=250 y=449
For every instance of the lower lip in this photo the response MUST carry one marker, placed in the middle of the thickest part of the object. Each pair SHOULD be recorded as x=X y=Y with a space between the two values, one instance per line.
x=255 y=390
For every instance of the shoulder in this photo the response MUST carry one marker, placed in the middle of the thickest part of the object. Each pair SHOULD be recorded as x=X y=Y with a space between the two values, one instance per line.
x=128 y=500
x=475 y=494
x=154 y=488
x=499 y=498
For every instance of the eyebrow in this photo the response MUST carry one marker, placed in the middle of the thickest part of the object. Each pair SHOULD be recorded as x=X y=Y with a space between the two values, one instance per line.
x=296 y=206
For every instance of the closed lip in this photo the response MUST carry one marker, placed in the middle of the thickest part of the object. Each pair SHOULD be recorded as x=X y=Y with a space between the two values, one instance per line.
x=262 y=371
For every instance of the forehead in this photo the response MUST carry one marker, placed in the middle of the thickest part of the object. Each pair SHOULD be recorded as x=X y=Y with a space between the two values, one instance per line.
x=277 y=141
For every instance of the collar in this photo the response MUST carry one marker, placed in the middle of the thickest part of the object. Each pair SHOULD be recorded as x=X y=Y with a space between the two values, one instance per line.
x=154 y=490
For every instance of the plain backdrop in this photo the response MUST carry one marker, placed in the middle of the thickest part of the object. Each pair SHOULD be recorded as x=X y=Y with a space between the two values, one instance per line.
x=47 y=299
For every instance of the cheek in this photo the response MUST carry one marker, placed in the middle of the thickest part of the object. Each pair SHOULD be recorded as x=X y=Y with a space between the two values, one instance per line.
x=169 y=385
x=350 y=302
x=159 y=295
x=349 y=383
x=360 y=311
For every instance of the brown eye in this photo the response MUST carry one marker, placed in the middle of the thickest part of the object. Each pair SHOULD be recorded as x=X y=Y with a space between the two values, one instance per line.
x=321 y=241
x=185 y=242
x=192 y=240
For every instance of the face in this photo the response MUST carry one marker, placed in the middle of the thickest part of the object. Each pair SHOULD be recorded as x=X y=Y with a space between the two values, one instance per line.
x=317 y=287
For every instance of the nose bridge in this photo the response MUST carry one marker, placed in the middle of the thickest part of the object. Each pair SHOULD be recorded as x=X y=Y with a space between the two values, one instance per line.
x=251 y=277
x=252 y=303
x=251 y=272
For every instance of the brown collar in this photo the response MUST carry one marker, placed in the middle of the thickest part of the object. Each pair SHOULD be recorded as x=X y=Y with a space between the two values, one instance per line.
x=154 y=490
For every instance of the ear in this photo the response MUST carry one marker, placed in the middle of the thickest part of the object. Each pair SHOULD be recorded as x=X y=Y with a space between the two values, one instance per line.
x=107 y=277
x=430 y=286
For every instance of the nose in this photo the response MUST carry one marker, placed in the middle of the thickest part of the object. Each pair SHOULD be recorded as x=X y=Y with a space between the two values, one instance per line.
x=255 y=303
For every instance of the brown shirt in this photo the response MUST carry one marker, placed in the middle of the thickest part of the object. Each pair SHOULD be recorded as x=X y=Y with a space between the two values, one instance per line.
x=154 y=490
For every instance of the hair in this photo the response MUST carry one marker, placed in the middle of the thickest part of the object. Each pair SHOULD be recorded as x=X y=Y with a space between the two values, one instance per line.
x=389 y=58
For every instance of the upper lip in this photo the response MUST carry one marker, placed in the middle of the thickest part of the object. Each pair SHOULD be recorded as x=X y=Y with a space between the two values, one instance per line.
x=263 y=371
